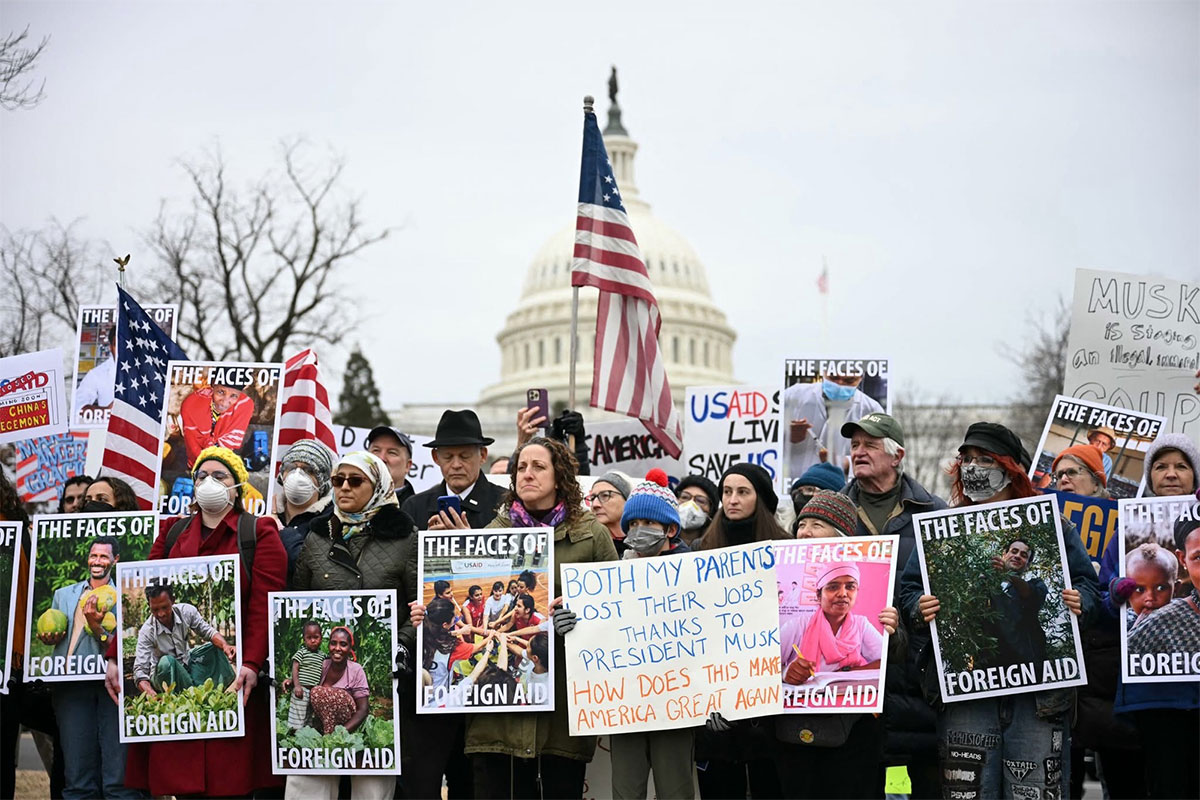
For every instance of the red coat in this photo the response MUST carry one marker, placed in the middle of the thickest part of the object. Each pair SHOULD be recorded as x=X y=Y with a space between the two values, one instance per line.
x=234 y=767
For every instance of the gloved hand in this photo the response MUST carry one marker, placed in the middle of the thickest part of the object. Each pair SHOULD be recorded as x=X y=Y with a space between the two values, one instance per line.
x=564 y=620
x=1120 y=590
x=403 y=662
x=568 y=423
x=717 y=723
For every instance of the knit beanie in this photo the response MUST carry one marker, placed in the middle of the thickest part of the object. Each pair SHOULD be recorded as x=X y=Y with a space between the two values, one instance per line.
x=823 y=475
x=833 y=508
x=232 y=462
x=1170 y=441
x=316 y=457
x=1088 y=456
x=759 y=478
x=651 y=499
x=703 y=484
x=618 y=481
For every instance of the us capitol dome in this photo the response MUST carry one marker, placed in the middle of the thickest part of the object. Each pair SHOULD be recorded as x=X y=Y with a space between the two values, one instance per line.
x=695 y=339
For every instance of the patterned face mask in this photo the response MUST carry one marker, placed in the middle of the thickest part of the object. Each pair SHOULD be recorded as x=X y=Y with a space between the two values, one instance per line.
x=980 y=483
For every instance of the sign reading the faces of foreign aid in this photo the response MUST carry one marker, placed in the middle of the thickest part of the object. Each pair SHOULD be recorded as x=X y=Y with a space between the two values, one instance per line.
x=726 y=425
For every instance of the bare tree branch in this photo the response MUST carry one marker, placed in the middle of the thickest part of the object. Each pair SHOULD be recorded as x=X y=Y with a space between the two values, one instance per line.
x=16 y=60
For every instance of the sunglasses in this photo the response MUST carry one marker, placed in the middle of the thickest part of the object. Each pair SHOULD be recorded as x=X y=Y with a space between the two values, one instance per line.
x=355 y=481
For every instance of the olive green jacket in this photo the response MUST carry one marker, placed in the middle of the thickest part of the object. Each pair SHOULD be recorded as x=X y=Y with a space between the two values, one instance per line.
x=532 y=734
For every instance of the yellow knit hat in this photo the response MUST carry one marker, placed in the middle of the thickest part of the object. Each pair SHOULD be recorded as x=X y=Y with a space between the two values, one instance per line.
x=230 y=460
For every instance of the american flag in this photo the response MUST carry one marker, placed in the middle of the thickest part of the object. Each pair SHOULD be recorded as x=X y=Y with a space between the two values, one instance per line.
x=135 y=427
x=305 y=412
x=628 y=375
x=823 y=280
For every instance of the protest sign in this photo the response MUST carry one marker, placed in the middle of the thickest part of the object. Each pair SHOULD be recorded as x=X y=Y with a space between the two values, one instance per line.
x=1095 y=518
x=663 y=642
x=32 y=401
x=486 y=643
x=328 y=651
x=625 y=445
x=725 y=425
x=10 y=558
x=1160 y=636
x=231 y=405
x=998 y=571
x=1119 y=436
x=72 y=607
x=1135 y=343
x=819 y=396
x=824 y=584
x=45 y=463
x=180 y=692
x=96 y=360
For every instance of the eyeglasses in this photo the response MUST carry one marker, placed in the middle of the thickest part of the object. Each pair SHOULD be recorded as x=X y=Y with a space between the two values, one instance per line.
x=219 y=474
x=699 y=499
x=355 y=481
x=983 y=461
x=603 y=496
x=1070 y=472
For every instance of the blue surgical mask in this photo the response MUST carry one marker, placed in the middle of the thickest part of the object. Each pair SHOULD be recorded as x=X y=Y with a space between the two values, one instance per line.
x=835 y=391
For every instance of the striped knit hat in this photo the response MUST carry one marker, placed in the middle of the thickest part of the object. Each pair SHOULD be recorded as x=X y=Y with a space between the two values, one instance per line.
x=316 y=457
x=833 y=508
x=651 y=499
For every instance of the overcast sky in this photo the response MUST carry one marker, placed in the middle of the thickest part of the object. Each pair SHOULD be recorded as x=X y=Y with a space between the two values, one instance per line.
x=953 y=162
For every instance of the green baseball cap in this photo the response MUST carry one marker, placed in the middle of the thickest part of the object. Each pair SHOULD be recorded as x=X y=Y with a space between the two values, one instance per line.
x=877 y=424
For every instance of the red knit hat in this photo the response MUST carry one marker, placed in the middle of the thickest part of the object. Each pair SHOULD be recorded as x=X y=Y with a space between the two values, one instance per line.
x=1087 y=455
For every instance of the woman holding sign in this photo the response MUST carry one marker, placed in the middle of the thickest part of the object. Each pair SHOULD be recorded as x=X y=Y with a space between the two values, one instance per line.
x=219 y=525
x=1019 y=744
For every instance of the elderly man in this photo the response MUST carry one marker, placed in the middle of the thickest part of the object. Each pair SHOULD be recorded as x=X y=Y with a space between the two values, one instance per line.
x=394 y=448
x=459 y=450
x=886 y=500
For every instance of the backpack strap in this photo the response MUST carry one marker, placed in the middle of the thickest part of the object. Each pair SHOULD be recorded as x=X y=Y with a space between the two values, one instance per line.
x=174 y=532
x=247 y=540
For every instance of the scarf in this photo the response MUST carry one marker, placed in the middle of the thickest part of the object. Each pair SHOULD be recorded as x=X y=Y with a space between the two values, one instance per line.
x=521 y=518
x=740 y=531
x=377 y=473
x=842 y=650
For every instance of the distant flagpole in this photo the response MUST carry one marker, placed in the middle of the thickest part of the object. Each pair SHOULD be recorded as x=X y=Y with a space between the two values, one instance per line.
x=588 y=102
x=823 y=289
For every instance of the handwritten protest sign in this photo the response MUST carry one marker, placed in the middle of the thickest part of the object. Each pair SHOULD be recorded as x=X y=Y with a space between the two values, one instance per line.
x=422 y=472
x=1094 y=517
x=72 y=589
x=824 y=584
x=1160 y=636
x=313 y=636
x=1119 y=436
x=45 y=463
x=725 y=425
x=663 y=642
x=486 y=643
x=819 y=396
x=998 y=571
x=231 y=405
x=10 y=557
x=32 y=401
x=95 y=360
x=176 y=687
x=1135 y=343
x=628 y=447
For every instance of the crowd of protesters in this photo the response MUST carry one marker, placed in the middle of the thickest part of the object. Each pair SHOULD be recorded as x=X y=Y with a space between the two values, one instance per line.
x=352 y=523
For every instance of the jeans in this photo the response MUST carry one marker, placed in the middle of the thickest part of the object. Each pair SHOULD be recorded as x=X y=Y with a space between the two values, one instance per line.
x=94 y=759
x=999 y=747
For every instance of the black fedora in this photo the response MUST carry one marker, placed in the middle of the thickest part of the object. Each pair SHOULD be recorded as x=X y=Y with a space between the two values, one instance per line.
x=459 y=428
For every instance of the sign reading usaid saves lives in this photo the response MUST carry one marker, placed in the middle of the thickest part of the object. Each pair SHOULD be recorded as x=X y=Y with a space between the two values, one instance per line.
x=725 y=425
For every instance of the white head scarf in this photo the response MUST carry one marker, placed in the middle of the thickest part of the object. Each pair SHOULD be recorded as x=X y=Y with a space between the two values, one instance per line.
x=382 y=495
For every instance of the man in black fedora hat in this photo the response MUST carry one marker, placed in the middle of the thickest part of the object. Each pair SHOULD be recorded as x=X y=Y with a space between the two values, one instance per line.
x=459 y=450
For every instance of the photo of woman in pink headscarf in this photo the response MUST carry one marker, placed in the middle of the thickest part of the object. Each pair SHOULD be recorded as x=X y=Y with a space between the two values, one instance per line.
x=833 y=638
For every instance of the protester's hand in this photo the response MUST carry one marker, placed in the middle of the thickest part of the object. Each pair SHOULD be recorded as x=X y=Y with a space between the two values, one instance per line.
x=564 y=620
x=146 y=687
x=998 y=564
x=799 y=671
x=799 y=430
x=450 y=520
x=528 y=424
x=889 y=618
x=416 y=612
x=567 y=424
x=112 y=680
x=928 y=607
x=717 y=723
x=1072 y=602
x=51 y=638
x=246 y=680
x=1120 y=590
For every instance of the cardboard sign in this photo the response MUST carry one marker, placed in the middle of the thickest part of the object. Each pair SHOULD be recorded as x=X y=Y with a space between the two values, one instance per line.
x=32 y=398
x=1002 y=628
x=628 y=447
x=231 y=405
x=811 y=420
x=10 y=558
x=823 y=583
x=1135 y=343
x=422 y=472
x=175 y=682
x=1160 y=636
x=45 y=463
x=1095 y=518
x=313 y=635
x=72 y=608
x=1120 y=437
x=725 y=425
x=663 y=642
x=482 y=647
x=96 y=359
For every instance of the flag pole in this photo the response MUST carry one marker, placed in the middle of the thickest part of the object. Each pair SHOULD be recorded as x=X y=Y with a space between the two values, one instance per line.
x=588 y=101
x=825 y=306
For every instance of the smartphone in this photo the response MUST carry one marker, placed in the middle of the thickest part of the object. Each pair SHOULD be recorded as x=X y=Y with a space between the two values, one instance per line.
x=448 y=501
x=539 y=399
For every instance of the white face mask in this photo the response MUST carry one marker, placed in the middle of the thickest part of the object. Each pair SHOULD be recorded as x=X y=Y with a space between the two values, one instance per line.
x=298 y=487
x=980 y=483
x=212 y=495
x=691 y=516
